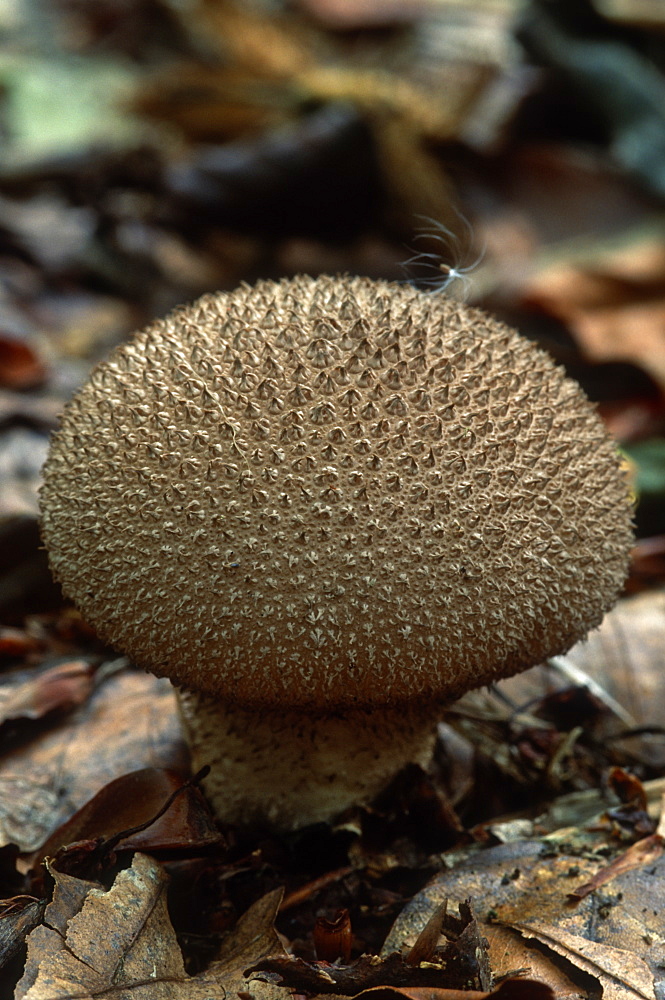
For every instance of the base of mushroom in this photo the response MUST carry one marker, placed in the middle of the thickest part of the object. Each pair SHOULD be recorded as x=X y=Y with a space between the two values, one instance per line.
x=287 y=769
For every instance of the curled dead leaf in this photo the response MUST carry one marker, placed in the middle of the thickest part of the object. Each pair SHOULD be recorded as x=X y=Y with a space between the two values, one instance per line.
x=644 y=852
x=332 y=938
x=123 y=808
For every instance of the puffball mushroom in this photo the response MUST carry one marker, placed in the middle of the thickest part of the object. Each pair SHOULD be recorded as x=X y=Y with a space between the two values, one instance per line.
x=324 y=507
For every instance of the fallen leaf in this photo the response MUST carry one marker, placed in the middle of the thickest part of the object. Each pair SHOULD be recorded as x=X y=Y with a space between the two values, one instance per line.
x=628 y=788
x=18 y=917
x=424 y=947
x=62 y=687
x=511 y=989
x=133 y=800
x=130 y=720
x=624 y=658
x=590 y=809
x=612 y=301
x=253 y=940
x=621 y=974
x=520 y=891
x=118 y=942
x=644 y=852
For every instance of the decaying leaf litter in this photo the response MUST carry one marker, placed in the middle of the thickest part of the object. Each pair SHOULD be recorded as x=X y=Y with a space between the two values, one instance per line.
x=219 y=143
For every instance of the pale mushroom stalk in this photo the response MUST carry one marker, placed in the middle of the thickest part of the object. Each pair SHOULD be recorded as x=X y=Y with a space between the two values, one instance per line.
x=329 y=506
x=276 y=767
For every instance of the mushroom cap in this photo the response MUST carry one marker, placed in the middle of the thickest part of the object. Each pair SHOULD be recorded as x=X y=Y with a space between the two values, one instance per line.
x=335 y=492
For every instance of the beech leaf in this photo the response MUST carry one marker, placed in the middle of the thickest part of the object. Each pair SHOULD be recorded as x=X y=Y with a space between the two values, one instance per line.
x=120 y=943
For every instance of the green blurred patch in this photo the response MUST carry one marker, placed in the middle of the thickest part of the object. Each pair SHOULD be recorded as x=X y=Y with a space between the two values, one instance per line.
x=648 y=458
x=55 y=106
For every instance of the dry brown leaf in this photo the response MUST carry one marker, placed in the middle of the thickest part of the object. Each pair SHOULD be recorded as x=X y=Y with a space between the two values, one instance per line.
x=510 y=989
x=520 y=891
x=62 y=687
x=624 y=657
x=622 y=975
x=147 y=810
x=129 y=722
x=424 y=947
x=488 y=877
x=252 y=941
x=641 y=853
x=119 y=942
x=18 y=916
x=542 y=912
x=615 y=304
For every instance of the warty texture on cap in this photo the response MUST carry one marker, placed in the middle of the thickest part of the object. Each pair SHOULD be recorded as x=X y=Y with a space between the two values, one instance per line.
x=335 y=492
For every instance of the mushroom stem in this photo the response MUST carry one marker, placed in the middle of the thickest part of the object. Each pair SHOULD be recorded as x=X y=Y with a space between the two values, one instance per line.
x=285 y=769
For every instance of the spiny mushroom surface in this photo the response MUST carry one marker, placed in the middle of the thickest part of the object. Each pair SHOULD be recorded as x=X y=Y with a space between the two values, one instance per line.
x=334 y=495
